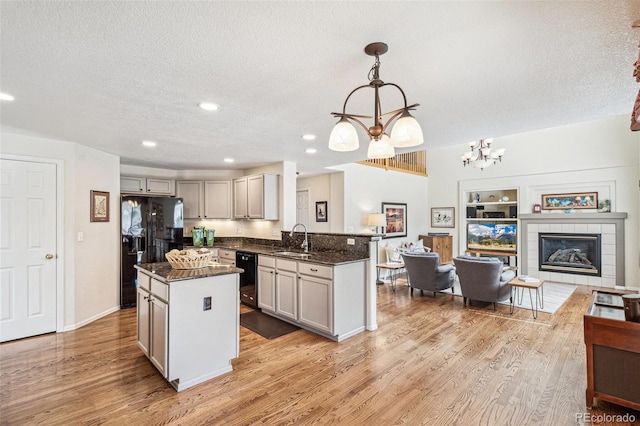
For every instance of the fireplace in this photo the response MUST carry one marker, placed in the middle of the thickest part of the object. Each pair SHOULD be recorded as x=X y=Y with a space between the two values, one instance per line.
x=570 y=253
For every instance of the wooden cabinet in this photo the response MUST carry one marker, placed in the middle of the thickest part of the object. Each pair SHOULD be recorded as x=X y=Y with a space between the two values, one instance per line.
x=441 y=244
x=256 y=197
x=613 y=352
x=146 y=186
x=205 y=199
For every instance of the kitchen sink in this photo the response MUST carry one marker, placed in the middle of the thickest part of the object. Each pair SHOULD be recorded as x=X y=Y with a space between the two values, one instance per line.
x=293 y=254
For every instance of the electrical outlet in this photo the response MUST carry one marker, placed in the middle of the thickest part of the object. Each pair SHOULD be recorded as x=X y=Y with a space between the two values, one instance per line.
x=238 y=230
x=80 y=236
x=275 y=232
x=351 y=241
x=206 y=303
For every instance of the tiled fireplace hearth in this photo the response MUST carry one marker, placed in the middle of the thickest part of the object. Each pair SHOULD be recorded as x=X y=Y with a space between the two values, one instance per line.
x=609 y=229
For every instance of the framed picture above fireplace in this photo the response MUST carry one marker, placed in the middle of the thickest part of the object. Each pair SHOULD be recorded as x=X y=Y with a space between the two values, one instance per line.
x=581 y=200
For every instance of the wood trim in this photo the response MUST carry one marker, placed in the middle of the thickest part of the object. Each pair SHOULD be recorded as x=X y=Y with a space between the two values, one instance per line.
x=409 y=162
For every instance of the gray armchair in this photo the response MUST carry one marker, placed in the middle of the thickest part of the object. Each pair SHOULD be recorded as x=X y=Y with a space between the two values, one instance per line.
x=483 y=279
x=424 y=272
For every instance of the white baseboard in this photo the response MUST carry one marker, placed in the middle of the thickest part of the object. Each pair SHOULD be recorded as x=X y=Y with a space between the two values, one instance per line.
x=91 y=319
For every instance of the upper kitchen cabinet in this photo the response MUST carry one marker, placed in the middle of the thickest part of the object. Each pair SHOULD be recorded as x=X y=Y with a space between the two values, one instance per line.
x=192 y=198
x=146 y=186
x=217 y=199
x=256 y=197
x=205 y=199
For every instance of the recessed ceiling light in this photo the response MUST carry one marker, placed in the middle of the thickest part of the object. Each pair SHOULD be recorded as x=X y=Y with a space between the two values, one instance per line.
x=208 y=106
x=311 y=151
x=228 y=160
x=309 y=137
x=6 y=97
x=149 y=144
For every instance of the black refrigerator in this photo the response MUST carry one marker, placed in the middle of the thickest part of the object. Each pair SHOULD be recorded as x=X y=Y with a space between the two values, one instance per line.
x=150 y=227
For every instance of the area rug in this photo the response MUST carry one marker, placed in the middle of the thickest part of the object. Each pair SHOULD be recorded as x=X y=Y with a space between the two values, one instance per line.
x=555 y=294
x=266 y=325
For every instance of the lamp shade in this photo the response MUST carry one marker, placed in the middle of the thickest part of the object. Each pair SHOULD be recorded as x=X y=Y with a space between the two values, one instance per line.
x=381 y=148
x=406 y=132
x=376 y=219
x=343 y=136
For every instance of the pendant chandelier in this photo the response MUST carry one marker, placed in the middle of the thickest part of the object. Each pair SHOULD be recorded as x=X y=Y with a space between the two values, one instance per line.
x=406 y=131
x=481 y=156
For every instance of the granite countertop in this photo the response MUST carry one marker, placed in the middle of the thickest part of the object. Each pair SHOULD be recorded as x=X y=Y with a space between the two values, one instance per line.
x=322 y=257
x=164 y=272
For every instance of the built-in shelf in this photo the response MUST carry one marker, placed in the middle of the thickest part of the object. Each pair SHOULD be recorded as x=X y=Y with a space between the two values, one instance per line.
x=500 y=219
x=494 y=203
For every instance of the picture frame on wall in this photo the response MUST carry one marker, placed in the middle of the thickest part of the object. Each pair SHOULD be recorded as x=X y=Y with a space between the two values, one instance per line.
x=443 y=217
x=99 y=203
x=395 y=215
x=579 y=200
x=321 y=211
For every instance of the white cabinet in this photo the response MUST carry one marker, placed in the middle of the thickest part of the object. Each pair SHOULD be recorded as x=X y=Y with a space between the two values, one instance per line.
x=324 y=299
x=286 y=289
x=189 y=329
x=256 y=197
x=217 y=199
x=147 y=186
x=316 y=296
x=205 y=199
x=192 y=198
x=227 y=257
x=153 y=318
x=267 y=283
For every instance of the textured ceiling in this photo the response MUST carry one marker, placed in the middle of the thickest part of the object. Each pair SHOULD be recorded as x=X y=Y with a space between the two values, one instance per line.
x=111 y=74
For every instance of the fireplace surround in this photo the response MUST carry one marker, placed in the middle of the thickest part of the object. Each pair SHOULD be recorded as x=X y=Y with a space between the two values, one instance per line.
x=611 y=228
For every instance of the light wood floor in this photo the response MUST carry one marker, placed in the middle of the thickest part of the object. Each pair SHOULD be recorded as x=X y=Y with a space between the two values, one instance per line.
x=431 y=361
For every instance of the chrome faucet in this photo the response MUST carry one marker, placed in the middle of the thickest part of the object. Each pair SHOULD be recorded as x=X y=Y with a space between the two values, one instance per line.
x=305 y=243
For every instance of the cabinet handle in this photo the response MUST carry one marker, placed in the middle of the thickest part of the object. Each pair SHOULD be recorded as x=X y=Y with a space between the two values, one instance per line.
x=146 y=297
x=313 y=270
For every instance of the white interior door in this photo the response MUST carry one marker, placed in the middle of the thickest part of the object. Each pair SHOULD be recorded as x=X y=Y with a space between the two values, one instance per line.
x=302 y=207
x=27 y=249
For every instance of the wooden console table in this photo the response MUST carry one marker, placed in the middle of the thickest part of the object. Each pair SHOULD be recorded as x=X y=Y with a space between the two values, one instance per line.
x=613 y=352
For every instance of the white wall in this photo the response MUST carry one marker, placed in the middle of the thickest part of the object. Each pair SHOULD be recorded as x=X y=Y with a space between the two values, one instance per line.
x=366 y=188
x=91 y=272
x=600 y=155
x=319 y=188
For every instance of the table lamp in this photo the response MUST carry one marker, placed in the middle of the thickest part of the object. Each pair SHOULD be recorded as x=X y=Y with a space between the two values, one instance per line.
x=377 y=219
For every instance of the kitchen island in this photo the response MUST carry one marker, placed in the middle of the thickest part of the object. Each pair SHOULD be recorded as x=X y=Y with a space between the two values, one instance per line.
x=188 y=320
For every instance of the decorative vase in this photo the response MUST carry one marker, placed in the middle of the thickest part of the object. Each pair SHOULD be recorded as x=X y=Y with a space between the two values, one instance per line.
x=198 y=236
x=209 y=233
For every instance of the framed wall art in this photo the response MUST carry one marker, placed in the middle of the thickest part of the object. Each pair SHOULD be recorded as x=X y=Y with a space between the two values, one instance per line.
x=321 y=211
x=443 y=217
x=99 y=206
x=582 y=200
x=396 y=217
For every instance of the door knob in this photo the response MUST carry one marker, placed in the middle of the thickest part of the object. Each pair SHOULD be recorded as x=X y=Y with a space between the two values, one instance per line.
x=49 y=256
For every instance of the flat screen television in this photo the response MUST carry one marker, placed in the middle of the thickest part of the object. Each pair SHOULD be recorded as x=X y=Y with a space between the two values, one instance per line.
x=492 y=236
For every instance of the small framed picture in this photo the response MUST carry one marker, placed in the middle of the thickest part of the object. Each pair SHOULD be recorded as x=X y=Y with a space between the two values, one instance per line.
x=99 y=206
x=395 y=215
x=321 y=211
x=582 y=200
x=443 y=217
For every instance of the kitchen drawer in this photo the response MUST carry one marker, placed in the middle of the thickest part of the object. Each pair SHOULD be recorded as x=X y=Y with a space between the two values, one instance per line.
x=286 y=265
x=268 y=261
x=160 y=290
x=144 y=281
x=315 y=270
x=215 y=251
x=227 y=254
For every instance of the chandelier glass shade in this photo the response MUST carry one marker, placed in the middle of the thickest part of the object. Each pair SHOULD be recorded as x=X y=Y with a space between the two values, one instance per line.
x=406 y=131
x=481 y=155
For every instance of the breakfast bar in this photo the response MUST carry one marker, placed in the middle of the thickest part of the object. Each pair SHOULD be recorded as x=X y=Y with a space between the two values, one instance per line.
x=188 y=320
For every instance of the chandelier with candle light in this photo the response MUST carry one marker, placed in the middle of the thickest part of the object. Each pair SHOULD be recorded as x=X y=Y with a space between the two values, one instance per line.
x=406 y=131
x=481 y=155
